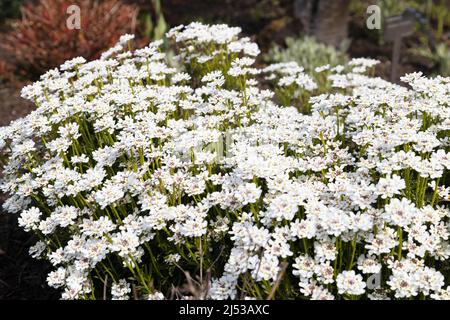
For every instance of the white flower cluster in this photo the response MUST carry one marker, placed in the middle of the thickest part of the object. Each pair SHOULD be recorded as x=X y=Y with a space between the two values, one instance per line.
x=115 y=173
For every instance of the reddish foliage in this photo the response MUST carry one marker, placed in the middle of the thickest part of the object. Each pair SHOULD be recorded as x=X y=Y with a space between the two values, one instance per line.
x=41 y=40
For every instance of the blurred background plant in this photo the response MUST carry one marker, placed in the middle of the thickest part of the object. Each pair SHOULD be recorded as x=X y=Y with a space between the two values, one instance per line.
x=308 y=53
x=440 y=57
x=9 y=9
x=154 y=25
x=436 y=11
x=40 y=40
x=440 y=12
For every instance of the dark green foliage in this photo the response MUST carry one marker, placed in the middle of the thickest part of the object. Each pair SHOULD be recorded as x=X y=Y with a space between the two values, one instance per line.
x=10 y=9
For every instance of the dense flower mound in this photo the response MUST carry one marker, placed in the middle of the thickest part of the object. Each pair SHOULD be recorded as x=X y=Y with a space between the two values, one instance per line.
x=211 y=178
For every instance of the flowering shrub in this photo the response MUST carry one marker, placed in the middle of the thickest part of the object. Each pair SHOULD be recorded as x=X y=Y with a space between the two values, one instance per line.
x=152 y=182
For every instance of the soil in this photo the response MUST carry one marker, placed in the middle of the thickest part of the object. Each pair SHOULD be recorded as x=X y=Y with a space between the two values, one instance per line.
x=21 y=277
x=12 y=106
